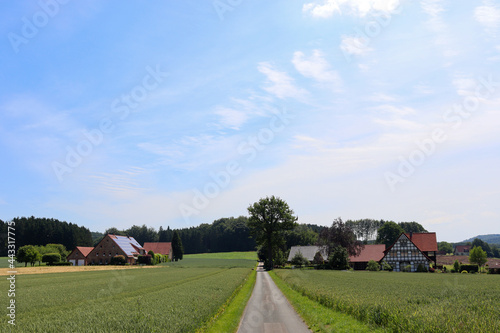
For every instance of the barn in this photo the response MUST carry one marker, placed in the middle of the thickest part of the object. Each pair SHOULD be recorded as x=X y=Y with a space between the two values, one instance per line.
x=164 y=248
x=114 y=245
x=369 y=252
x=78 y=257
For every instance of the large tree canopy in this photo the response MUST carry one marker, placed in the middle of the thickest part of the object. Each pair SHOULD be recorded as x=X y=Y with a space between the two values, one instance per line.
x=269 y=218
x=340 y=234
x=388 y=233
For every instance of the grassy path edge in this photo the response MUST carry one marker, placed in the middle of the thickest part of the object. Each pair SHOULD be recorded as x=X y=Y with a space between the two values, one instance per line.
x=227 y=319
x=318 y=317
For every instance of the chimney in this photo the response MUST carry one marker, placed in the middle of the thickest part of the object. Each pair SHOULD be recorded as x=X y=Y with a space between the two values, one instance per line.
x=411 y=235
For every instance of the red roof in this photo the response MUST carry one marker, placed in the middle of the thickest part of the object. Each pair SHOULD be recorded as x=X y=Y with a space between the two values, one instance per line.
x=370 y=252
x=162 y=248
x=462 y=248
x=425 y=241
x=84 y=250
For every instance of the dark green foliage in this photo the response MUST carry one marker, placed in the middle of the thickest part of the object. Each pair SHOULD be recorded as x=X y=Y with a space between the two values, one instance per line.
x=469 y=268
x=299 y=260
x=177 y=248
x=445 y=246
x=411 y=227
x=407 y=268
x=373 y=266
x=28 y=254
x=318 y=259
x=484 y=246
x=388 y=233
x=145 y=260
x=62 y=263
x=340 y=234
x=51 y=258
x=456 y=266
x=151 y=253
x=339 y=258
x=269 y=218
x=302 y=235
x=421 y=268
x=118 y=260
x=42 y=231
x=386 y=266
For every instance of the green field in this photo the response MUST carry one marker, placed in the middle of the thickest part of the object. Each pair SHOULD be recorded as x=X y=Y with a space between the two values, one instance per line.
x=405 y=302
x=175 y=297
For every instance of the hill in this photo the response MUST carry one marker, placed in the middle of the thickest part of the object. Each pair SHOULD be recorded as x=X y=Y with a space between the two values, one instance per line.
x=490 y=239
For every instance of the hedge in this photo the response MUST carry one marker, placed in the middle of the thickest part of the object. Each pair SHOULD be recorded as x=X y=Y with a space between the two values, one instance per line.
x=469 y=268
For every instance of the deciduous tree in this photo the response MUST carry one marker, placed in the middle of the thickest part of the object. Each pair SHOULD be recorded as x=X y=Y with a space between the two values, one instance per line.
x=269 y=218
x=388 y=233
x=477 y=256
x=339 y=234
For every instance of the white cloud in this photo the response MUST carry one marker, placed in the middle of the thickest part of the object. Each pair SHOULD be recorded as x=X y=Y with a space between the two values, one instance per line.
x=279 y=84
x=360 y=8
x=316 y=67
x=488 y=16
x=231 y=118
x=354 y=45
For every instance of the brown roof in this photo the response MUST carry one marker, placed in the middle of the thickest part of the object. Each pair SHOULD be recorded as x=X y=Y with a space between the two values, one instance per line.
x=462 y=248
x=84 y=250
x=158 y=247
x=370 y=252
x=425 y=241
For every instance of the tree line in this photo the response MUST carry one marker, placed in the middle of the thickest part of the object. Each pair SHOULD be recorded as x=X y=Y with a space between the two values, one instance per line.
x=42 y=231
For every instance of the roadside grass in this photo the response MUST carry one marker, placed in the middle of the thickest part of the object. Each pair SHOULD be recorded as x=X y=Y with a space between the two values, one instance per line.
x=318 y=317
x=229 y=316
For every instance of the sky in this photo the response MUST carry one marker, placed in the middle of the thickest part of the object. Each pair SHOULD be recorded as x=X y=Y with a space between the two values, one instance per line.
x=176 y=113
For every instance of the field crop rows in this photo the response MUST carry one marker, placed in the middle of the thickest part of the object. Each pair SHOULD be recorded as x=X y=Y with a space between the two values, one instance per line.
x=406 y=302
x=175 y=298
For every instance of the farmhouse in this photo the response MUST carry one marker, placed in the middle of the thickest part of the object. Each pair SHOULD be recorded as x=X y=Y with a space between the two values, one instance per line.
x=411 y=250
x=369 y=252
x=164 y=248
x=307 y=251
x=78 y=257
x=113 y=245
x=462 y=250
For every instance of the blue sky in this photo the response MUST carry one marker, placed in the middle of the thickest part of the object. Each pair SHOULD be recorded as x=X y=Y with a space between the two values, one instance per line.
x=176 y=113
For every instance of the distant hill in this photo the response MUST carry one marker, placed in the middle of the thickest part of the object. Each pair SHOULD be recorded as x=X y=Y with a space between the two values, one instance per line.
x=490 y=239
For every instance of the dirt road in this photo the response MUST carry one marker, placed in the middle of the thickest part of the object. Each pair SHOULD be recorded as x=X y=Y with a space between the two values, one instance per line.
x=268 y=311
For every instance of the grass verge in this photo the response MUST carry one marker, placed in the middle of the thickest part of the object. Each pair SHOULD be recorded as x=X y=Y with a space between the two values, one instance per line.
x=318 y=317
x=229 y=315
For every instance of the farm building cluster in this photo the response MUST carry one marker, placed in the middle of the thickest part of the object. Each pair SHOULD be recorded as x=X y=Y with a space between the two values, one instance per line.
x=409 y=250
x=114 y=245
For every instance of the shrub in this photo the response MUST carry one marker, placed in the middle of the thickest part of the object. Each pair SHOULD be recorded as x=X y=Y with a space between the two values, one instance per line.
x=456 y=266
x=432 y=270
x=299 y=260
x=469 y=268
x=62 y=263
x=421 y=268
x=118 y=260
x=339 y=259
x=386 y=266
x=144 y=259
x=318 y=259
x=51 y=258
x=407 y=268
x=464 y=272
x=373 y=266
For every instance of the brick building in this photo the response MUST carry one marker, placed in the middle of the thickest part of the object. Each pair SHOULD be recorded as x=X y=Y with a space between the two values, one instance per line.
x=113 y=245
x=164 y=248
x=78 y=257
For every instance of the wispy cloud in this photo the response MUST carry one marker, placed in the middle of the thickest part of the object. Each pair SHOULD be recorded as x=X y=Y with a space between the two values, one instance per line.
x=279 y=83
x=353 y=45
x=360 y=8
x=316 y=67
x=488 y=15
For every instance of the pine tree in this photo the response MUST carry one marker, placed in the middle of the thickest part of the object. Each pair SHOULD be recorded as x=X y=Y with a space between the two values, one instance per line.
x=177 y=248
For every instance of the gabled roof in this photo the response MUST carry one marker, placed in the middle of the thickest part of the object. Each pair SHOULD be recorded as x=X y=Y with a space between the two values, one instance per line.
x=159 y=247
x=307 y=251
x=84 y=250
x=462 y=248
x=370 y=252
x=425 y=241
x=408 y=237
x=128 y=244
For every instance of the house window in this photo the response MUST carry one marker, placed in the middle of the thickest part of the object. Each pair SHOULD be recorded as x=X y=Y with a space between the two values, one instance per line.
x=110 y=254
x=97 y=254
